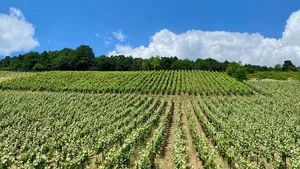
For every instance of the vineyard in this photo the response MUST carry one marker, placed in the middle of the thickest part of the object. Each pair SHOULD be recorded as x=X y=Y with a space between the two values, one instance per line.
x=144 y=120
x=145 y=82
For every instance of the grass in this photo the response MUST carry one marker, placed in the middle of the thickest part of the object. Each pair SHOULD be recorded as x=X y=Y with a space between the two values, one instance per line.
x=5 y=75
x=275 y=75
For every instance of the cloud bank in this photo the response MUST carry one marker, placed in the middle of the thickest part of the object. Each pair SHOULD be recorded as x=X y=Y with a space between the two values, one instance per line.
x=16 y=34
x=233 y=46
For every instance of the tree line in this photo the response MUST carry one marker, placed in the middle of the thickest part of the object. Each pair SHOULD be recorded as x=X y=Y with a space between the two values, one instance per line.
x=83 y=58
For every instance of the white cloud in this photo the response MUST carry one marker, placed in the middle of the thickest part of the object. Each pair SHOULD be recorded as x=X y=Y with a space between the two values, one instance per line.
x=291 y=34
x=119 y=35
x=220 y=45
x=107 y=41
x=16 y=34
x=98 y=35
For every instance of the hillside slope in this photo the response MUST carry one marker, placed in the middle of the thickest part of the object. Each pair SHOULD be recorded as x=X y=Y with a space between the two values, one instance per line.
x=146 y=82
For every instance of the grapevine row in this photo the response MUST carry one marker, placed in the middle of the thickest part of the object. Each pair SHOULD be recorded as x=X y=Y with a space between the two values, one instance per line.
x=179 y=156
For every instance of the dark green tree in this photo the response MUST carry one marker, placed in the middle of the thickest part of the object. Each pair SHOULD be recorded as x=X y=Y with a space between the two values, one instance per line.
x=155 y=63
x=29 y=60
x=182 y=65
x=237 y=71
x=288 y=66
x=145 y=64
x=39 y=67
x=136 y=64
x=123 y=63
x=166 y=62
x=210 y=64
x=101 y=63
x=65 y=60
x=44 y=62
x=83 y=57
x=16 y=63
x=278 y=67
x=4 y=63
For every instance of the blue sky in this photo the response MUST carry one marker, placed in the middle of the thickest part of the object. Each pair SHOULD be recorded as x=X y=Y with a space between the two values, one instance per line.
x=69 y=23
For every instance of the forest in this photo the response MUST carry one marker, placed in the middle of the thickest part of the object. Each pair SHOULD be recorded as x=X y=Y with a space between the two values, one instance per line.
x=83 y=58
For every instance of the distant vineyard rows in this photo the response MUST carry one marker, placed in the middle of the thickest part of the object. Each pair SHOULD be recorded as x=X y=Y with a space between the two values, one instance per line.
x=146 y=82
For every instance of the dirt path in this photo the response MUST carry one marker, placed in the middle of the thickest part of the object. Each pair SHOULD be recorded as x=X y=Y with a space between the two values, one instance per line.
x=164 y=161
x=193 y=160
x=219 y=160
